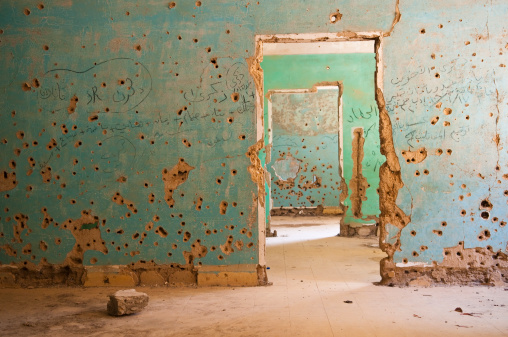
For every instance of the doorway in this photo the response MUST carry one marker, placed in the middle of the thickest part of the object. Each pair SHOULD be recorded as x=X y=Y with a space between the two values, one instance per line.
x=294 y=66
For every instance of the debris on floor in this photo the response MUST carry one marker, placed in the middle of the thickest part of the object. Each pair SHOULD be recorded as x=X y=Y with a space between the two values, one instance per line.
x=126 y=302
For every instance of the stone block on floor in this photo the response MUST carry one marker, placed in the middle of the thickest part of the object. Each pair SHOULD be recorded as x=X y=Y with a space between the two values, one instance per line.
x=126 y=302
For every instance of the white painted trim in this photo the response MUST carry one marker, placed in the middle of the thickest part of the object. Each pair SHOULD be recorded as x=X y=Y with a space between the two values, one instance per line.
x=318 y=48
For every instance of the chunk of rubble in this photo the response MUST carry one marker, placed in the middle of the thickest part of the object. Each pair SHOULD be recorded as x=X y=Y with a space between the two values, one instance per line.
x=126 y=302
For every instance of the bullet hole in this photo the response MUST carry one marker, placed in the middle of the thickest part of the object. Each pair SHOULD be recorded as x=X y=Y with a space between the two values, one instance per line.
x=485 y=215
x=436 y=75
x=463 y=212
x=195 y=40
x=233 y=172
x=12 y=164
x=241 y=137
x=230 y=120
x=423 y=248
x=447 y=111
x=141 y=136
x=437 y=232
x=52 y=143
x=422 y=31
x=449 y=152
x=186 y=236
x=36 y=83
x=103 y=84
x=417 y=173
x=463 y=186
x=186 y=142
x=446 y=123
x=127 y=13
x=172 y=4
x=495 y=219
x=179 y=37
x=467 y=43
x=223 y=207
x=486 y=204
x=433 y=56
x=502 y=224
x=250 y=244
x=415 y=254
x=78 y=144
x=447 y=252
x=218 y=181
x=335 y=17
x=161 y=231
x=444 y=224
x=440 y=26
x=137 y=47
x=121 y=82
x=208 y=49
x=35 y=143
x=484 y=235
x=26 y=11
x=506 y=193
x=220 y=257
x=135 y=236
x=228 y=31
x=26 y=87
x=434 y=120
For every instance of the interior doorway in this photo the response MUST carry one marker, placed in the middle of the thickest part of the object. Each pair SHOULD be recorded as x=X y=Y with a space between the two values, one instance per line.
x=294 y=68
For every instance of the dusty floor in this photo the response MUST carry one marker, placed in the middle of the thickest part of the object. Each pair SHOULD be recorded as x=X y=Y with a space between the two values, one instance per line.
x=314 y=273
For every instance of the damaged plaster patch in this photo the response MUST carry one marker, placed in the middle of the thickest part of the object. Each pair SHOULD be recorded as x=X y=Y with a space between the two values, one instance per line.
x=227 y=248
x=256 y=170
x=415 y=157
x=285 y=184
x=197 y=251
x=87 y=237
x=460 y=266
x=7 y=181
x=20 y=226
x=396 y=19
x=119 y=200
x=286 y=168
x=174 y=178
x=358 y=183
x=389 y=186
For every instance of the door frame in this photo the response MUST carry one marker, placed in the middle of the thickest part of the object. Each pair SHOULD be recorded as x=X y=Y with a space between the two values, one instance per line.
x=257 y=74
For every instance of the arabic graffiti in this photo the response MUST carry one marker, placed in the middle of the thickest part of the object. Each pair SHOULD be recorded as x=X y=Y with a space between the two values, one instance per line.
x=219 y=89
x=114 y=86
x=454 y=86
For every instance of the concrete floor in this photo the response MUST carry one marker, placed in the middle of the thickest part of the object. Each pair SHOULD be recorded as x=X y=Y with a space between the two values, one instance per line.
x=313 y=272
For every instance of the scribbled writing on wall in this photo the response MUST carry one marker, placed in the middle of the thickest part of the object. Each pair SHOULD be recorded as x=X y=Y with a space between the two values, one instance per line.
x=98 y=88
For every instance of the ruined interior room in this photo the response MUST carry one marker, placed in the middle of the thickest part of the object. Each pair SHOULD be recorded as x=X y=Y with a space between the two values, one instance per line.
x=253 y=168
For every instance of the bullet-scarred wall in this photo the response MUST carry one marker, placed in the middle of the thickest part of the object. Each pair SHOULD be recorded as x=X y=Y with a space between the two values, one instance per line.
x=129 y=151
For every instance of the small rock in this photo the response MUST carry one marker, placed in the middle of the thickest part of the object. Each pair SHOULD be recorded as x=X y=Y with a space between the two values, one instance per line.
x=458 y=309
x=348 y=301
x=126 y=302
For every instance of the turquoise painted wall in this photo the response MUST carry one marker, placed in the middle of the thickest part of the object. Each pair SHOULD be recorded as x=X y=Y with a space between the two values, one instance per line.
x=446 y=91
x=114 y=139
x=305 y=133
x=356 y=72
